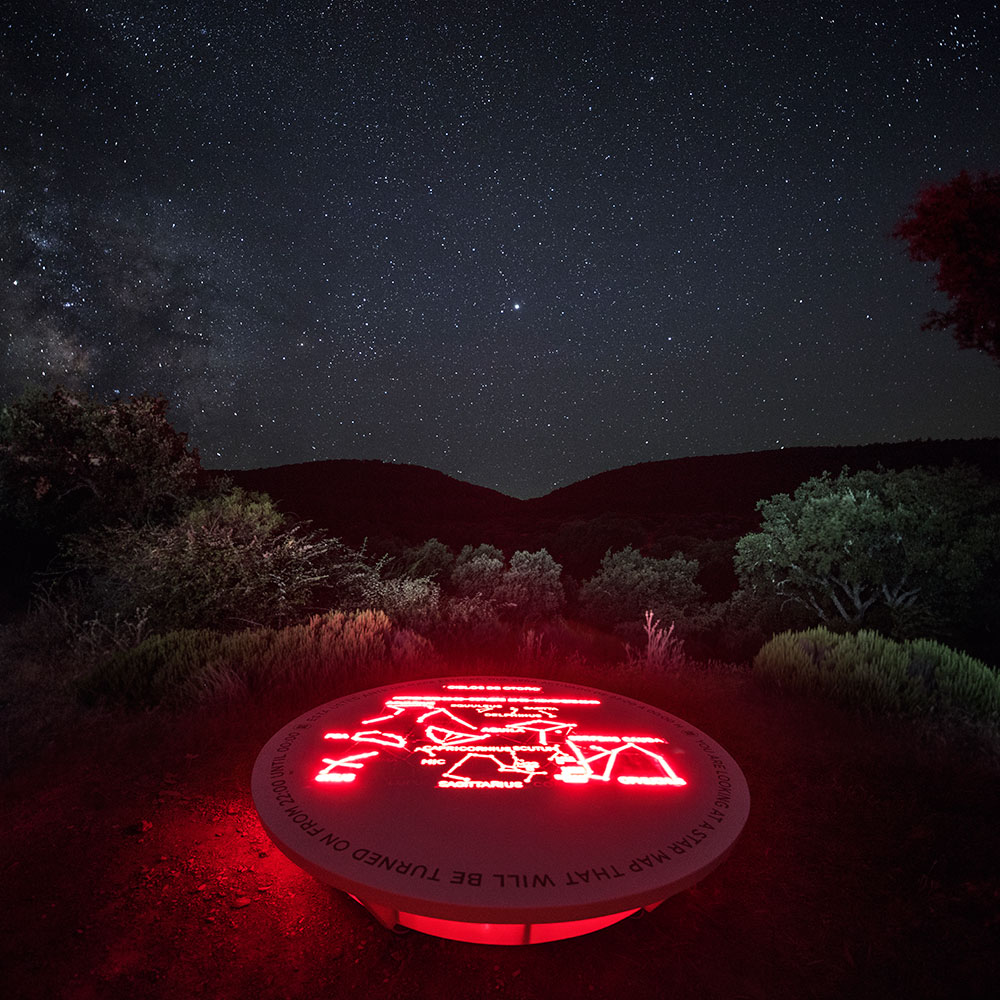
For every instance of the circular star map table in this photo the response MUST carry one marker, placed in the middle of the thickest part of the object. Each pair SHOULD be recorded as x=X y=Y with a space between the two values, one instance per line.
x=502 y=810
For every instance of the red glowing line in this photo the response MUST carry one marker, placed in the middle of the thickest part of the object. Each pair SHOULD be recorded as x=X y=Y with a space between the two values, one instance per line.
x=582 y=738
x=568 y=757
x=349 y=761
x=444 y=711
x=328 y=774
x=670 y=777
x=446 y=737
x=374 y=736
x=492 y=698
x=540 y=728
x=528 y=768
x=635 y=779
x=574 y=775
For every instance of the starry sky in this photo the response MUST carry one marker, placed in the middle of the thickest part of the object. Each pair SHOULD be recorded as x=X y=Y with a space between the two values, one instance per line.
x=520 y=243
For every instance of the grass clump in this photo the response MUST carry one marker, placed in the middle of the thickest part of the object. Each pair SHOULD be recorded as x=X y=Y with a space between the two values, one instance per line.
x=201 y=665
x=865 y=669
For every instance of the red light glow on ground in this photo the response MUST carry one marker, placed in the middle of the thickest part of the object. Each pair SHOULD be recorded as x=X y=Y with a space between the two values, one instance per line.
x=618 y=805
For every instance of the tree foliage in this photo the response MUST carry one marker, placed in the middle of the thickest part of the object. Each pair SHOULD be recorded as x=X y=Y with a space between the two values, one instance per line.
x=913 y=544
x=477 y=571
x=957 y=225
x=229 y=561
x=69 y=462
x=628 y=584
x=431 y=558
x=531 y=586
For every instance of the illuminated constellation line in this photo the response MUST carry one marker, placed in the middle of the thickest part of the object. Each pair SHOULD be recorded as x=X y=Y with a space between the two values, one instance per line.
x=577 y=758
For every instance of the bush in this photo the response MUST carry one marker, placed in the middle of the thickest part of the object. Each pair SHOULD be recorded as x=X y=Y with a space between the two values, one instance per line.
x=918 y=676
x=411 y=602
x=200 y=665
x=901 y=550
x=472 y=620
x=69 y=462
x=628 y=584
x=531 y=587
x=230 y=561
x=477 y=571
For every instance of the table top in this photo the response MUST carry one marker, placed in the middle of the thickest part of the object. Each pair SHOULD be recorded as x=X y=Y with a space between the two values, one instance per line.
x=499 y=799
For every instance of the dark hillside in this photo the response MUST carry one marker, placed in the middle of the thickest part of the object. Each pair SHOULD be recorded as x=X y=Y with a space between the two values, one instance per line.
x=732 y=484
x=696 y=505
x=381 y=501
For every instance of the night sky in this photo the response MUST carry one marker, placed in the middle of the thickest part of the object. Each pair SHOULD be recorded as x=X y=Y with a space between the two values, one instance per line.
x=520 y=243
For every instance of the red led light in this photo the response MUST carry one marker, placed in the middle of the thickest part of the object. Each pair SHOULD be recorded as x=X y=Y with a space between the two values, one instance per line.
x=557 y=754
x=580 y=806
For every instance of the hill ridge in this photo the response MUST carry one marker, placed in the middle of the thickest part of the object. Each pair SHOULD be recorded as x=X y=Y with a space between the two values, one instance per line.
x=391 y=504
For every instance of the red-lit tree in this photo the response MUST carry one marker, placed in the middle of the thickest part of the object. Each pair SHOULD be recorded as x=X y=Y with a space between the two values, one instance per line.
x=958 y=225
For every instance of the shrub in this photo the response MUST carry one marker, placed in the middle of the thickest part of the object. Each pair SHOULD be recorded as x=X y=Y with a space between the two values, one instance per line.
x=199 y=665
x=69 y=462
x=911 y=546
x=230 y=560
x=918 y=676
x=471 y=620
x=477 y=571
x=531 y=588
x=629 y=583
x=411 y=602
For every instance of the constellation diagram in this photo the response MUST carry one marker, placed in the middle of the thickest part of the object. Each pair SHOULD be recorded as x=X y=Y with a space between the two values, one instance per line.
x=498 y=736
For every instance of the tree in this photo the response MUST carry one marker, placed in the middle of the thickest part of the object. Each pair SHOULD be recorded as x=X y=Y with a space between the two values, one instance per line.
x=478 y=571
x=628 y=584
x=431 y=559
x=69 y=462
x=913 y=544
x=531 y=586
x=958 y=225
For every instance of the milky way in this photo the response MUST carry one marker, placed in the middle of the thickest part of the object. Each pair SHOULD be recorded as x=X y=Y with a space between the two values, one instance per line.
x=519 y=243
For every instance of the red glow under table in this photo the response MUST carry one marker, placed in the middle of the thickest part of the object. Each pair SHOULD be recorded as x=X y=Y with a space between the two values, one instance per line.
x=501 y=810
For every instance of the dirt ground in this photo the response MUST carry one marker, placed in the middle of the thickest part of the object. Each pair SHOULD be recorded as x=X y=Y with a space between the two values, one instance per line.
x=134 y=866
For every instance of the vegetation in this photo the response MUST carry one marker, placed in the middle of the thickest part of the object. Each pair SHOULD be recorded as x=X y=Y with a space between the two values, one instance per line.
x=173 y=588
x=412 y=602
x=908 y=548
x=629 y=583
x=433 y=559
x=664 y=650
x=531 y=587
x=957 y=226
x=69 y=463
x=229 y=561
x=917 y=676
x=201 y=665
x=478 y=571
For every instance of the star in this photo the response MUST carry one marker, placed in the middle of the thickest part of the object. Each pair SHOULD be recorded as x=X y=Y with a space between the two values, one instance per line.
x=314 y=258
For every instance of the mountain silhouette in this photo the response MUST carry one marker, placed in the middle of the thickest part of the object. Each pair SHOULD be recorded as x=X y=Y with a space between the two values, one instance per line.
x=677 y=504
